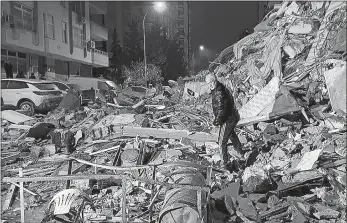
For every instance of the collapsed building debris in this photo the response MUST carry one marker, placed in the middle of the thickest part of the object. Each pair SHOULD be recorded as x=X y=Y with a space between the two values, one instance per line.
x=157 y=160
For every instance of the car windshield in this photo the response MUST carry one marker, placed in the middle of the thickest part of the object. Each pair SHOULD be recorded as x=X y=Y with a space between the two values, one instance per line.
x=45 y=86
x=112 y=85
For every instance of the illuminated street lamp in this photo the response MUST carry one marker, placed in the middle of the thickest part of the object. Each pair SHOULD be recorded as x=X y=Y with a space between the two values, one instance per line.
x=158 y=7
x=201 y=47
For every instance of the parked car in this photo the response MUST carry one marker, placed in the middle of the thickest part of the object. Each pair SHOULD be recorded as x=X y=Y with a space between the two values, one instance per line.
x=90 y=86
x=30 y=95
x=62 y=86
x=65 y=87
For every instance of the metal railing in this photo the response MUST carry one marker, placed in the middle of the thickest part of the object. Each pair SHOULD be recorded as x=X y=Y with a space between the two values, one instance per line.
x=100 y=52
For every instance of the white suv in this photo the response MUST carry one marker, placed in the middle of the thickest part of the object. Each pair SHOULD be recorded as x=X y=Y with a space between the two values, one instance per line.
x=30 y=95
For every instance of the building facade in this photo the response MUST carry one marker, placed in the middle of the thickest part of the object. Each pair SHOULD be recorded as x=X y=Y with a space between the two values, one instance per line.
x=53 y=39
x=175 y=19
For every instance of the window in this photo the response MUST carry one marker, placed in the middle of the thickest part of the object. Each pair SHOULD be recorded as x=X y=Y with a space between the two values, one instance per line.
x=22 y=55
x=4 y=84
x=23 y=15
x=46 y=86
x=76 y=6
x=64 y=32
x=63 y=3
x=103 y=86
x=3 y=52
x=12 y=53
x=49 y=26
x=18 y=60
x=17 y=85
x=78 y=37
x=61 y=86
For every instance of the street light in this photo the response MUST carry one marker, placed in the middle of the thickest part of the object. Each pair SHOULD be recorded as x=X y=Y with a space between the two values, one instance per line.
x=201 y=47
x=159 y=7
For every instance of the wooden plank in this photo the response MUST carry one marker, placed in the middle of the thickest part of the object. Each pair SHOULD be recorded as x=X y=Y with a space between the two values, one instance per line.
x=124 y=200
x=100 y=177
x=21 y=193
x=26 y=190
x=164 y=133
x=11 y=157
x=257 y=119
x=104 y=150
x=15 y=117
x=39 y=171
x=152 y=195
x=199 y=203
x=10 y=196
x=23 y=127
x=69 y=170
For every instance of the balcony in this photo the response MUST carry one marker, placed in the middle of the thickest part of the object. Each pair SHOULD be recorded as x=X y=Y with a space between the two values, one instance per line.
x=99 y=58
x=98 y=32
x=97 y=7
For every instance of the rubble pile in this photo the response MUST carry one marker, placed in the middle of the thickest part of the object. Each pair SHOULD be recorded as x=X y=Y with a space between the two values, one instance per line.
x=157 y=159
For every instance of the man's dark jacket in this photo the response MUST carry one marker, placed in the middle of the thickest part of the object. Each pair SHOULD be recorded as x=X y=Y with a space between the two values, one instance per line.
x=223 y=105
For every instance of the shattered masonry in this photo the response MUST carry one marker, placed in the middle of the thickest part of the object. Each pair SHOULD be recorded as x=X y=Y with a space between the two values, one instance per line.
x=159 y=161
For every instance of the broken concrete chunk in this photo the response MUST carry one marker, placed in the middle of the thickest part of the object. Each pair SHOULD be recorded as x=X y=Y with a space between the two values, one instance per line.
x=36 y=151
x=300 y=28
x=261 y=206
x=335 y=80
x=293 y=48
x=257 y=197
x=230 y=204
x=293 y=8
x=81 y=184
x=15 y=117
x=232 y=190
x=324 y=212
x=308 y=160
x=246 y=207
x=255 y=180
x=313 y=130
x=273 y=201
x=262 y=125
x=49 y=149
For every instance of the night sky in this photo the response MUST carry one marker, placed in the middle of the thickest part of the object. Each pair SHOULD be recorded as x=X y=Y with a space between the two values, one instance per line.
x=217 y=24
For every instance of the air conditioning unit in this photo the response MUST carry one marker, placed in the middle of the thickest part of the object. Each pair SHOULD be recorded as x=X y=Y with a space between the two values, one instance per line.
x=92 y=44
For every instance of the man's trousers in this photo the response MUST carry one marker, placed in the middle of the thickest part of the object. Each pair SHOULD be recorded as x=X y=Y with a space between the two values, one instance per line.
x=226 y=132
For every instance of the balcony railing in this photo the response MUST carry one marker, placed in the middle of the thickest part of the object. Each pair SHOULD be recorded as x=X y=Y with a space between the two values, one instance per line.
x=100 y=52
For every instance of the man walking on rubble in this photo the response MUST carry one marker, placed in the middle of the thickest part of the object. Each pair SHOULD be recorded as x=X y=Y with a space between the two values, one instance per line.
x=226 y=117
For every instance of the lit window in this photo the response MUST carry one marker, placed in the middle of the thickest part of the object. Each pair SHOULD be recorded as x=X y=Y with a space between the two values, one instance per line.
x=64 y=32
x=49 y=26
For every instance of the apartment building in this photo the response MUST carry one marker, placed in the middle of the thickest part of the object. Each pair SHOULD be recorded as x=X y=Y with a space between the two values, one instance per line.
x=176 y=20
x=53 y=39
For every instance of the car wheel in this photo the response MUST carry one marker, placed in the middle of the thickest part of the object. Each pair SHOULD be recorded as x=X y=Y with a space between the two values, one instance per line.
x=27 y=106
